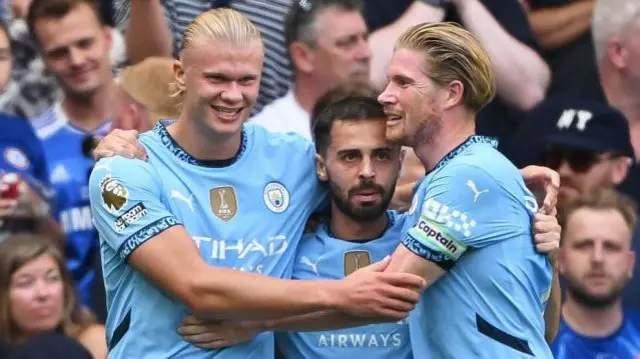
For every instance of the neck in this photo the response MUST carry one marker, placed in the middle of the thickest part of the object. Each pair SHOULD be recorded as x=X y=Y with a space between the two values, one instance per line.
x=203 y=143
x=307 y=92
x=348 y=229
x=451 y=135
x=89 y=112
x=592 y=322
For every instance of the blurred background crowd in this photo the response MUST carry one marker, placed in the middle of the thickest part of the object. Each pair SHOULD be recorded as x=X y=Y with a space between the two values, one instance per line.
x=568 y=79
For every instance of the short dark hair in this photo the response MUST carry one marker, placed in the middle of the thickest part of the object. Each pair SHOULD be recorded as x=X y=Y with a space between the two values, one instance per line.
x=603 y=198
x=348 y=102
x=56 y=9
x=302 y=16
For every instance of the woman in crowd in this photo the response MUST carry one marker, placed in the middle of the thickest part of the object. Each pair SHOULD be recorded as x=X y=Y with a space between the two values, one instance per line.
x=37 y=296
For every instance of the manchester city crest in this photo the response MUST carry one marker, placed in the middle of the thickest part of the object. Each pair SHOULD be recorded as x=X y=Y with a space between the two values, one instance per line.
x=276 y=197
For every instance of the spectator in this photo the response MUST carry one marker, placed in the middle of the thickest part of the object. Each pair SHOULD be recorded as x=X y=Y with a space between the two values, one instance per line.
x=563 y=30
x=155 y=28
x=37 y=296
x=22 y=155
x=75 y=46
x=597 y=261
x=33 y=88
x=327 y=43
x=615 y=34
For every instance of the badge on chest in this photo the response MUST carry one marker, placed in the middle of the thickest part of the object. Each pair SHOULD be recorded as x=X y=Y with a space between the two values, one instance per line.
x=354 y=260
x=224 y=203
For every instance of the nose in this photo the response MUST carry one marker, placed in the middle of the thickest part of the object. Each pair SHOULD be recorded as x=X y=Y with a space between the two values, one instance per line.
x=363 y=53
x=42 y=290
x=232 y=93
x=76 y=56
x=366 y=170
x=597 y=254
x=564 y=169
x=386 y=97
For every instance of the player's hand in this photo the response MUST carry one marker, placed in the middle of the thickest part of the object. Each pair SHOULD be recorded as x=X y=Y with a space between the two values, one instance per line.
x=547 y=233
x=371 y=293
x=120 y=142
x=216 y=334
x=544 y=183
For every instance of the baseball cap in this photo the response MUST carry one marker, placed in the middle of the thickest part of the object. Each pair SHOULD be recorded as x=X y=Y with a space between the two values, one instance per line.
x=585 y=125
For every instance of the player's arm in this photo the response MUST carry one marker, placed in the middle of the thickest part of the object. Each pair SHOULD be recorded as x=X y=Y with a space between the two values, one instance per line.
x=131 y=218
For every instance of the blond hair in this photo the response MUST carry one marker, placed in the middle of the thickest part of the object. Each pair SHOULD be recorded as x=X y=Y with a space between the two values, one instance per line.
x=15 y=252
x=222 y=24
x=603 y=199
x=453 y=53
x=612 y=18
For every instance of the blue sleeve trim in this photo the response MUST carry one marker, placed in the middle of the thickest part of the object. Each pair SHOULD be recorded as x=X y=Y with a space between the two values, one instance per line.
x=427 y=253
x=137 y=239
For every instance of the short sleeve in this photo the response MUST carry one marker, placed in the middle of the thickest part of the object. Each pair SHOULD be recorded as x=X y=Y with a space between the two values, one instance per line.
x=126 y=203
x=462 y=209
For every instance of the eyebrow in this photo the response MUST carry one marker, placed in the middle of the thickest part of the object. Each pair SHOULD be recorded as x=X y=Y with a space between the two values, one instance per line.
x=225 y=77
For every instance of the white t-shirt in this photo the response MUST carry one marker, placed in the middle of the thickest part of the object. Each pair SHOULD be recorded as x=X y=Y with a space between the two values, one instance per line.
x=285 y=115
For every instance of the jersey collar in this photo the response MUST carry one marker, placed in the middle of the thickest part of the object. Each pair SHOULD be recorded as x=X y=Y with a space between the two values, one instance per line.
x=161 y=130
x=463 y=146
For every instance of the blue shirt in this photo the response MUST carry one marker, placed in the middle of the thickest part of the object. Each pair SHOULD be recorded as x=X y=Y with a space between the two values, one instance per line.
x=322 y=256
x=624 y=343
x=472 y=216
x=247 y=213
x=21 y=153
x=69 y=175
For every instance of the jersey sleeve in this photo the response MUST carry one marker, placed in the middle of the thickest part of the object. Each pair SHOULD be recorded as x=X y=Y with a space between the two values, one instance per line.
x=463 y=209
x=126 y=203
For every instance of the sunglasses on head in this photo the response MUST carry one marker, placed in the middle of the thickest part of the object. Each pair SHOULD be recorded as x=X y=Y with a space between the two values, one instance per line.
x=580 y=161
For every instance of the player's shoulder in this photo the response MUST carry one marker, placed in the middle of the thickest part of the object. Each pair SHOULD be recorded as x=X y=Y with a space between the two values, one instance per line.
x=124 y=170
x=16 y=127
x=632 y=316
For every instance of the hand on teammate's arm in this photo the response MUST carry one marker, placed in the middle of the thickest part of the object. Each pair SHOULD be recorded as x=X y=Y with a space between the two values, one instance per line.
x=122 y=143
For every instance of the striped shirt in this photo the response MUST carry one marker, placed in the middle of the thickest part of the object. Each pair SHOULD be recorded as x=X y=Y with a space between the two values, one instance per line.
x=267 y=15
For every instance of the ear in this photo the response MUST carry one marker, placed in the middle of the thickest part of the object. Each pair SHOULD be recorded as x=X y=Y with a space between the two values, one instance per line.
x=620 y=170
x=179 y=75
x=617 y=53
x=403 y=152
x=561 y=260
x=302 y=56
x=632 y=263
x=454 y=95
x=108 y=36
x=321 y=168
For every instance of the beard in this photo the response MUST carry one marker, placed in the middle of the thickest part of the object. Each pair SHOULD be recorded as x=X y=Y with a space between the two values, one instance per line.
x=427 y=131
x=581 y=294
x=363 y=213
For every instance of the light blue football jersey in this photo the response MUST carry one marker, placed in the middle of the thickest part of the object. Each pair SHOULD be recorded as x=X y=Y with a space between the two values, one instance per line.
x=472 y=215
x=247 y=213
x=321 y=256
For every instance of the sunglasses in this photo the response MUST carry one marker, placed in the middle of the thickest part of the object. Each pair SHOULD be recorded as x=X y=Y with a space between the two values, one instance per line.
x=580 y=161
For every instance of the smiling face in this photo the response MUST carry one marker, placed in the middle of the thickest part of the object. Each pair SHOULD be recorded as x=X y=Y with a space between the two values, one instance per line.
x=412 y=101
x=76 y=47
x=221 y=82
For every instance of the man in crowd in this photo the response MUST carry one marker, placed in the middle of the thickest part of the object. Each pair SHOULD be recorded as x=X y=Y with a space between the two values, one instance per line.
x=75 y=46
x=597 y=260
x=327 y=45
